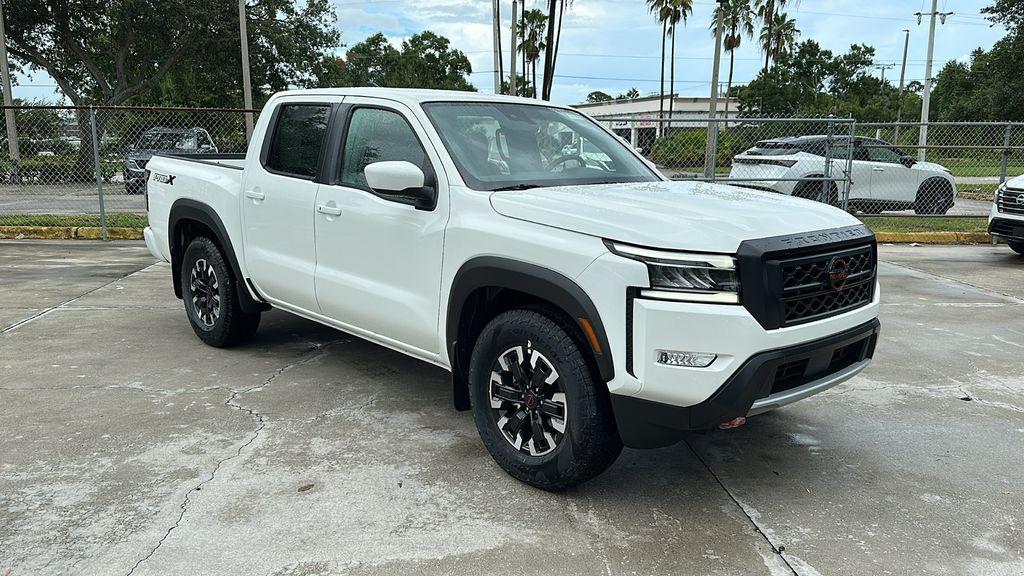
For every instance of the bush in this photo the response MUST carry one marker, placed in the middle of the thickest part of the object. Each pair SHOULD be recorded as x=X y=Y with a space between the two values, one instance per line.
x=685 y=149
x=47 y=169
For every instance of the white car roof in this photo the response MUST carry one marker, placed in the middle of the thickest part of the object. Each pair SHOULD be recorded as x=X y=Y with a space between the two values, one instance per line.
x=415 y=96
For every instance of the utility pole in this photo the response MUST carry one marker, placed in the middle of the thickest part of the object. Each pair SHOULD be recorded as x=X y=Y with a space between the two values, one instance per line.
x=5 y=72
x=711 y=142
x=496 y=33
x=246 y=80
x=903 y=76
x=923 y=138
x=883 y=68
x=513 y=85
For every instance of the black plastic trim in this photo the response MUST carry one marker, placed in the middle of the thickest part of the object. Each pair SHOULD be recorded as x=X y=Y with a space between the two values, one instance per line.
x=206 y=158
x=544 y=283
x=647 y=424
x=758 y=267
x=1013 y=225
x=188 y=209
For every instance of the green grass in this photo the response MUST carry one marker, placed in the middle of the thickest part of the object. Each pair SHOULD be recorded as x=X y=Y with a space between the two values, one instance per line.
x=926 y=224
x=966 y=167
x=115 y=220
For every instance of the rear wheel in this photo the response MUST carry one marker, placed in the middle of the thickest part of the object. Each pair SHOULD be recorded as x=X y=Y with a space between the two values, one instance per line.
x=814 y=190
x=536 y=404
x=935 y=196
x=211 y=301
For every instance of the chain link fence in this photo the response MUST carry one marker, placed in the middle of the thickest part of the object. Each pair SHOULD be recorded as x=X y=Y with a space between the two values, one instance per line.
x=75 y=166
x=897 y=177
x=86 y=166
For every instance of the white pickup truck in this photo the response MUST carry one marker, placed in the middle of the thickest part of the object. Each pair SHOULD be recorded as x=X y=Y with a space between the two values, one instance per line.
x=581 y=303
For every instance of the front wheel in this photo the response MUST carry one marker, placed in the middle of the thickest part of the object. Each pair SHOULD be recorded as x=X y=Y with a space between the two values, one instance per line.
x=1017 y=247
x=538 y=409
x=935 y=196
x=211 y=301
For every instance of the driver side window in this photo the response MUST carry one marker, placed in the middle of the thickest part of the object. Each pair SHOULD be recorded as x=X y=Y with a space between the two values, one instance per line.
x=377 y=135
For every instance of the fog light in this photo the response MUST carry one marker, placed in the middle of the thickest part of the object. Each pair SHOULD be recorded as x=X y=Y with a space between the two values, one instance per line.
x=690 y=359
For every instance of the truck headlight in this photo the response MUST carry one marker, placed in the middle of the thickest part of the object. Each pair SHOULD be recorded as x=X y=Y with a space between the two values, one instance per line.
x=686 y=276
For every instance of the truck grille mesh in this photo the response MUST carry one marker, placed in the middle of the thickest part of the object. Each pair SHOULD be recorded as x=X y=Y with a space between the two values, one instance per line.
x=809 y=292
x=1010 y=201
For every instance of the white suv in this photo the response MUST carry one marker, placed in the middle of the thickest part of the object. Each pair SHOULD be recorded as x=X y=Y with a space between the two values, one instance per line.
x=882 y=176
x=1006 y=221
x=580 y=305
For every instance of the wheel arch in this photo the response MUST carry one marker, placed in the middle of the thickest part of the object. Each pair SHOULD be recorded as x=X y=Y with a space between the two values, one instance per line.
x=190 y=218
x=488 y=285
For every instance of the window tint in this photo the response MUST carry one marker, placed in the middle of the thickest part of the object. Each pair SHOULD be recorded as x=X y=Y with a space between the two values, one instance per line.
x=889 y=155
x=376 y=135
x=297 y=139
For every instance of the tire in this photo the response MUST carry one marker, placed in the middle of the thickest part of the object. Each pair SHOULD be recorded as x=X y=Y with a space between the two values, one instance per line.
x=1017 y=247
x=211 y=301
x=935 y=196
x=575 y=447
x=812 y=191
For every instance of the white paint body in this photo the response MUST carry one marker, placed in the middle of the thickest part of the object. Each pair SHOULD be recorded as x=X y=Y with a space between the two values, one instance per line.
x=384 y=271
x=878 y=181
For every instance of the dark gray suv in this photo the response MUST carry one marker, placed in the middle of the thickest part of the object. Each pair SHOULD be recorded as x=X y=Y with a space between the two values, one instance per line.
x=162 y=141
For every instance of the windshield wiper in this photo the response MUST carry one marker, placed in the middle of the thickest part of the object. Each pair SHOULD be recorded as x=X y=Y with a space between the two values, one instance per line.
x=520 y=186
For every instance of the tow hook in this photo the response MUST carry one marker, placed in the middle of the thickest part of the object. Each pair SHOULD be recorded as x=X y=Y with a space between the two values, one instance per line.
x=734 y=423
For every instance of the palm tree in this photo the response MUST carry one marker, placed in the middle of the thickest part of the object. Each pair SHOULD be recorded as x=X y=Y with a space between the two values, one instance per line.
x=781 y=37
x=660 y=8
x=531 y=42
x=738 y=20
x=678 y=10
x=768 y=12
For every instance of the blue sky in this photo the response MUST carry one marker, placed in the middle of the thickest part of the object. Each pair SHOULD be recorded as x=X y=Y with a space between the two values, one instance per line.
x=612 y=45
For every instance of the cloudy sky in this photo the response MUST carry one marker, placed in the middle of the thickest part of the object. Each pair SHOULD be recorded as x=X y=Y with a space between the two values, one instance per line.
x=613 y=45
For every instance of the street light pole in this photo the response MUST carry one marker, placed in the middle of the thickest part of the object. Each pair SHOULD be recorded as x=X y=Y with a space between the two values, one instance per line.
x=711 y=142
x=923 y=138
x=246 y=80
x=903 y=76
x=5 y=72
x=513 y=85
x=496 y=33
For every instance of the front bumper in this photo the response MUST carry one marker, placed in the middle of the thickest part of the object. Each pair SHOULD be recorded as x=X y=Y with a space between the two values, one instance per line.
x=765 y=381
x=1007 y=229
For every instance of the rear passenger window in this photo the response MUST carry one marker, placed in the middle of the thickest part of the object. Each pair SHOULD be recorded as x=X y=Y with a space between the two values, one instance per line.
x=298 y=138
x=376 y=135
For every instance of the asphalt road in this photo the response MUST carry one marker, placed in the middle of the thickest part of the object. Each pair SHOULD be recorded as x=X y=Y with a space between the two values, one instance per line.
x=128 y=447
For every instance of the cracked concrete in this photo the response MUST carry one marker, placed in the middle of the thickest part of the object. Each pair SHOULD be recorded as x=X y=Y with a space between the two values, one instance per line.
x=128 y=447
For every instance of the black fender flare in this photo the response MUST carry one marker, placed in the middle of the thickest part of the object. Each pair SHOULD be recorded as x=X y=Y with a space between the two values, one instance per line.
x=185 y=209
x=531 y=279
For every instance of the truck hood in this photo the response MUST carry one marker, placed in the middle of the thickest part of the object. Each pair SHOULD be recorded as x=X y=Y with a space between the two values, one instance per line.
x=1016 y=183
x=696 y=216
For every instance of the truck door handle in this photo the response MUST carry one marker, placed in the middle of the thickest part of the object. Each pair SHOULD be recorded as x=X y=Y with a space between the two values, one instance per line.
x=878 y=169
x=328 y=210
x=255 y=194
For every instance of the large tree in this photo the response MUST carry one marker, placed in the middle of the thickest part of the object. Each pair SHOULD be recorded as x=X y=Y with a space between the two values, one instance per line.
x=164 y=51
x=425 y=60
x=988 y=87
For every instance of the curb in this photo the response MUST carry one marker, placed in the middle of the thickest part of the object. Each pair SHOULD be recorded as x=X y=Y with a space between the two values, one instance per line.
x=933 y=237
x=68 y=233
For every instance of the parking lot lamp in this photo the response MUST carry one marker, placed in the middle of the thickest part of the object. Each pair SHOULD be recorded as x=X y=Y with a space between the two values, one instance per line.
x=5 y=73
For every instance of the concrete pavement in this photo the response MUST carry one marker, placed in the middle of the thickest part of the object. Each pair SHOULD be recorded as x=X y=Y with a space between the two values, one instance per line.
x=128 y=447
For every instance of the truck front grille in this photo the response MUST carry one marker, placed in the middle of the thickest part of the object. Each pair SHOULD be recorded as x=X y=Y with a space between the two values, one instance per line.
x=1010 y=201
x=809 y=292
x=790 y=280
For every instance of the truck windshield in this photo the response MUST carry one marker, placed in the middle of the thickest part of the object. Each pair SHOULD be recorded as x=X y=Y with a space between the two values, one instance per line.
x=515 y=146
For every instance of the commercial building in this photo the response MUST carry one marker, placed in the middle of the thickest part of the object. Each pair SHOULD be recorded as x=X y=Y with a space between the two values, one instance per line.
x=636 y=119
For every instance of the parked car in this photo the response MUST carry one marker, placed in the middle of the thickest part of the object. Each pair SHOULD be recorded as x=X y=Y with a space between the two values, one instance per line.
x=579 y=307
x=1006 y=220
x=882 y=176
x=162 y=140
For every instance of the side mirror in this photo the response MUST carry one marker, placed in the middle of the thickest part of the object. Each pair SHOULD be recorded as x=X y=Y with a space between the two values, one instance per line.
x=401 y=178
x=908 y=160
